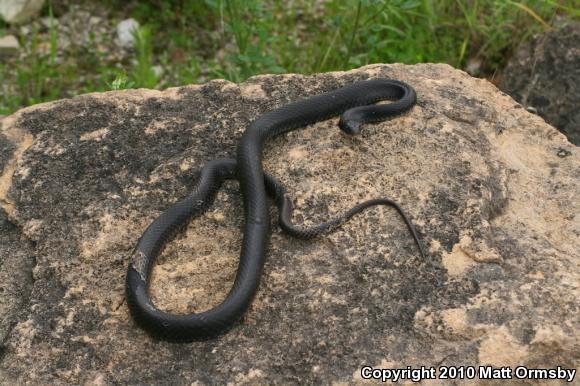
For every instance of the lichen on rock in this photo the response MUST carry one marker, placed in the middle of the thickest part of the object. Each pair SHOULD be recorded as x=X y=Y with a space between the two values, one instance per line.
x=491 y=188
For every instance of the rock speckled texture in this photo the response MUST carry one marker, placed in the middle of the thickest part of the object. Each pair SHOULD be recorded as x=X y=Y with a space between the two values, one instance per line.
x=492 y=189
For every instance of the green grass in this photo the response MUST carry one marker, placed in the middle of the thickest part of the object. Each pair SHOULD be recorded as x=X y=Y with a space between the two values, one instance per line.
x=197 y=40
x=143 y=74
x=38 y=77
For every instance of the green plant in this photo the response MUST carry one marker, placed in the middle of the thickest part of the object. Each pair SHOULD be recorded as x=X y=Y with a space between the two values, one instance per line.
x=2 y=27
x=197 y=40
x=252 y=30
x=143 y=74
x=53 y=37
x=121 y=82
x=38 y=76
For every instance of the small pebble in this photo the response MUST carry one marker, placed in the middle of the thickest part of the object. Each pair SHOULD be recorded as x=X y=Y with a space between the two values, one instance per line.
x=9 y=45
x=125 y=33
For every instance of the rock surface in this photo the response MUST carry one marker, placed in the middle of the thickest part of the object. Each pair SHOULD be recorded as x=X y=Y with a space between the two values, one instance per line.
x=18 y=11
x=544 y=74
x=492 y=189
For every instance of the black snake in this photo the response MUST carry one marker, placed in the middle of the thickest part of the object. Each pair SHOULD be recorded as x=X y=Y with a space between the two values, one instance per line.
x=356 y=104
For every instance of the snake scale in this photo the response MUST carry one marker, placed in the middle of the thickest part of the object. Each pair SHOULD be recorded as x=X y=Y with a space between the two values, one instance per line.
x=356 y=105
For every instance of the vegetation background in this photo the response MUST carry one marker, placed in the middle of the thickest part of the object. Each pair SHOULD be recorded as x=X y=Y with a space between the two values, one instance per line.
x=190 y=41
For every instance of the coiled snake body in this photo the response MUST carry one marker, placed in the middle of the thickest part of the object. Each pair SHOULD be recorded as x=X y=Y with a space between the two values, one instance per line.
x=355 y=103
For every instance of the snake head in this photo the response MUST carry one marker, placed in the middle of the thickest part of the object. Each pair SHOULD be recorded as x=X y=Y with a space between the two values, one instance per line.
x=349 y=126
x=352 y=119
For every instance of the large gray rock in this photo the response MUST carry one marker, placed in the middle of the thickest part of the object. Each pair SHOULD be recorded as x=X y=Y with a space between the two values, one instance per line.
x=19 y=11
x=16 y=254
x=492 y=189
x=544 y=74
